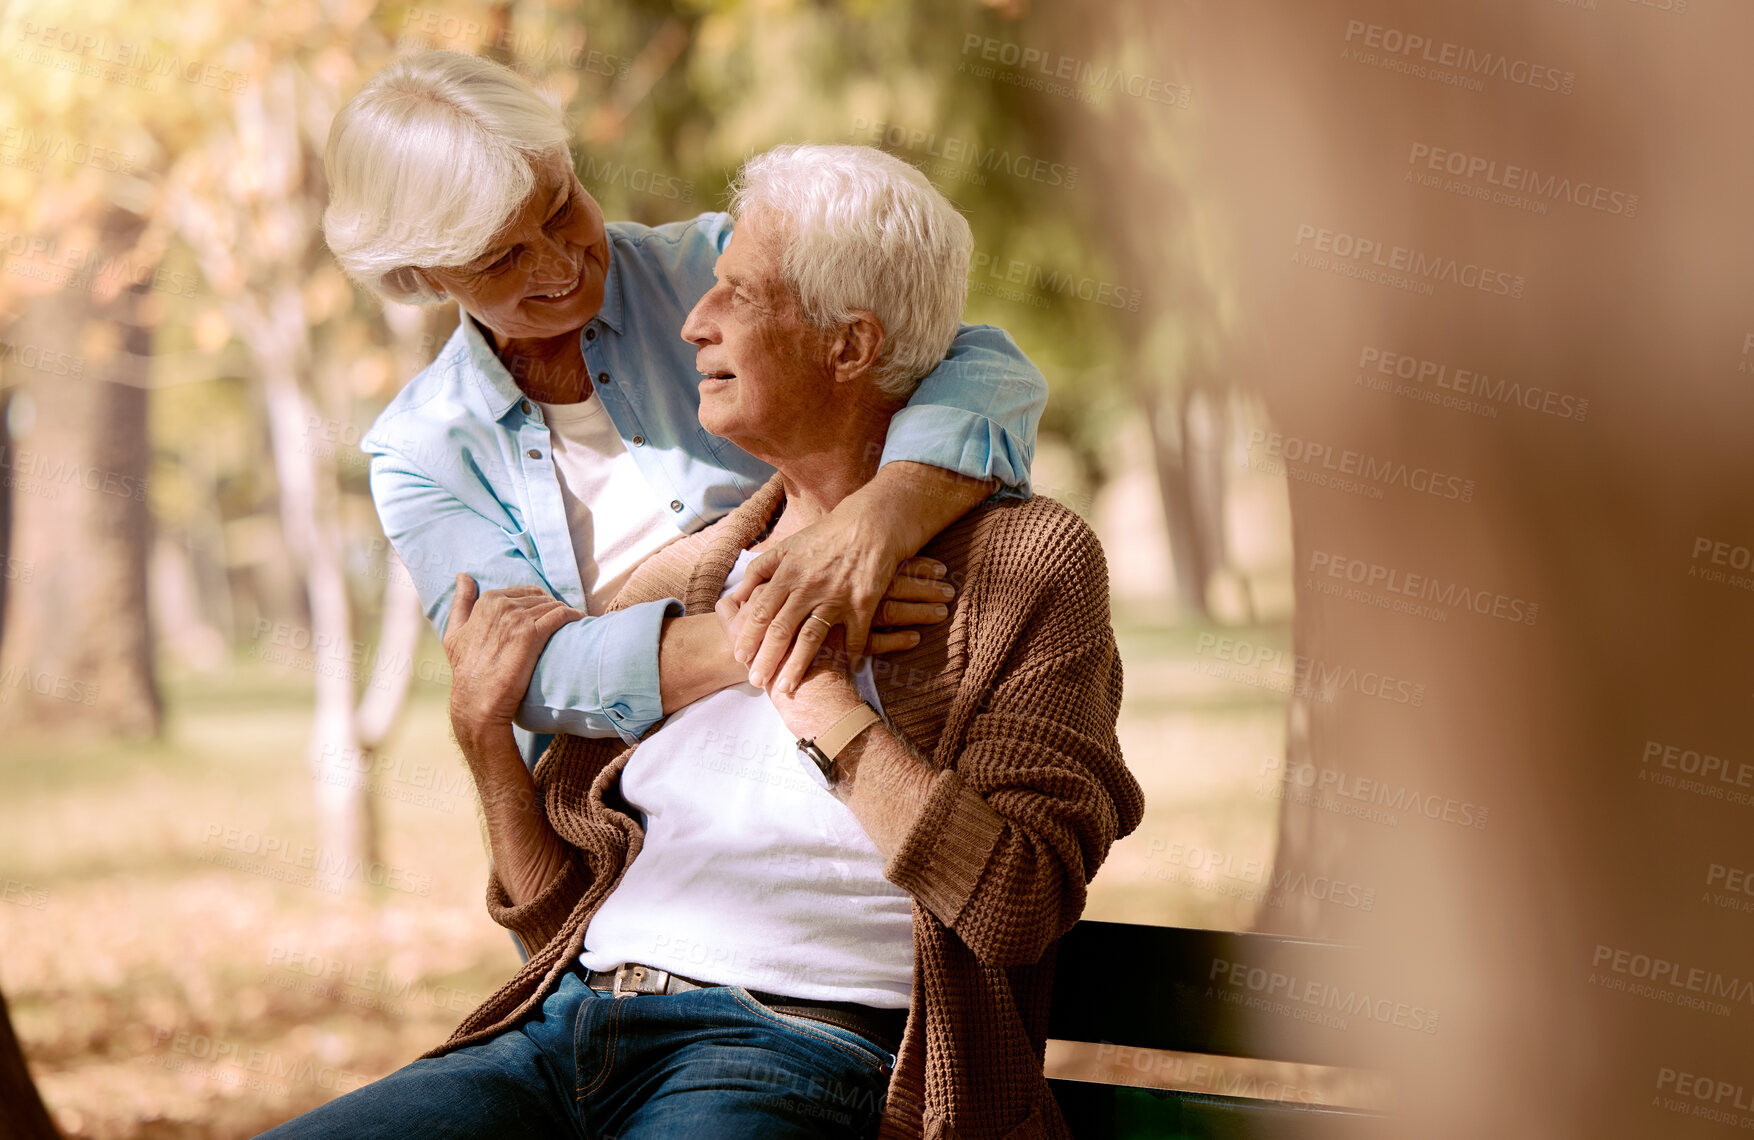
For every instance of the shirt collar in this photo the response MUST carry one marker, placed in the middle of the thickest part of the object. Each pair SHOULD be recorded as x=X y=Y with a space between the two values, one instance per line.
x=499 y=392
x=610 y=313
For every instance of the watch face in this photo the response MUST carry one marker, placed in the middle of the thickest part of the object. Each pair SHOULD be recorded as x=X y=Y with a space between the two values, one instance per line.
x=816 y=764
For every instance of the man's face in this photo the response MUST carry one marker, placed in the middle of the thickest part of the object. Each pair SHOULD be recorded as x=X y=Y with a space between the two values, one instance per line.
x=554 y=244
x=764 y=370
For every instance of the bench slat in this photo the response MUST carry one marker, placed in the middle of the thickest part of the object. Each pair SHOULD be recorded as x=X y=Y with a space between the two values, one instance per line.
x=1174 y=998
x=1120 y=1112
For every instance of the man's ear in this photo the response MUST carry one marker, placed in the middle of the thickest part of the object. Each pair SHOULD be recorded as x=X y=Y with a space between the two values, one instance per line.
x=856 y=346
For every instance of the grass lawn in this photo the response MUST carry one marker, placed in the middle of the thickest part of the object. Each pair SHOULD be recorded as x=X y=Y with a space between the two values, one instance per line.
x=172 y=974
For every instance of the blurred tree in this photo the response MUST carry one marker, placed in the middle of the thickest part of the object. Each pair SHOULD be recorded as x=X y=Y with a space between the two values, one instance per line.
x=75 y=304
x=24 y=1117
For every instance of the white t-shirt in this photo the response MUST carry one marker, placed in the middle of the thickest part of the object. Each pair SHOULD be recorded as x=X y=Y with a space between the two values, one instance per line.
x=750 y=874
x=615 y=522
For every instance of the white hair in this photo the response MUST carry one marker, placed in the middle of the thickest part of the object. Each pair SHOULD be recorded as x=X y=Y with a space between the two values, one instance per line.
x=428 y=162
x=864 y=230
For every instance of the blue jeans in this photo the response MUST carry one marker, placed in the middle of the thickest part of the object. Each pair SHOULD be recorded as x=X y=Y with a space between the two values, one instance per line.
x=710 y=1062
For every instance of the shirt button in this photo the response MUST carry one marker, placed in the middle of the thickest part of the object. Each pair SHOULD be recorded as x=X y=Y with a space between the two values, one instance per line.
x=590 y=334
x=675 y=504
x=533 y=453
x=524 y=406
x=639 y=441
x=602 y=377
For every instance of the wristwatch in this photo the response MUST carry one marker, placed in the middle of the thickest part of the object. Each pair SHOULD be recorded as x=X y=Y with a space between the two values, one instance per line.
x=827 y=744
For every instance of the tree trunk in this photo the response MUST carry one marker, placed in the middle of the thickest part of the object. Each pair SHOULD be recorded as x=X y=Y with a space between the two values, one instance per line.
x=1184 y=457
x=22 y=1113
x=77 y=650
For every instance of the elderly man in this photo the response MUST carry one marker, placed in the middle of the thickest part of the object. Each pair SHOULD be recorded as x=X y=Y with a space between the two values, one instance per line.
x=836 y=912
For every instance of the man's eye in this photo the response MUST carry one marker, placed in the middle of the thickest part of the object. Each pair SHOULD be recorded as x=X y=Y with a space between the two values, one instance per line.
x=502 y=264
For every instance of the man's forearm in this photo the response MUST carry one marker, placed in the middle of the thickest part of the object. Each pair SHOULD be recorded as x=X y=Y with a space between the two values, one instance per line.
x=527 y=854
x=910 y=503
x=884 y=783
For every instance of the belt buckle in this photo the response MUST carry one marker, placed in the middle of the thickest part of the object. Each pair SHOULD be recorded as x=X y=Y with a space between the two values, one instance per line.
x=640 y=974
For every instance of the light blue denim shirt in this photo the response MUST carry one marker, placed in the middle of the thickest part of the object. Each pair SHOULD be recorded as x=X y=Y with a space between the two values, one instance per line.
x=463 y=480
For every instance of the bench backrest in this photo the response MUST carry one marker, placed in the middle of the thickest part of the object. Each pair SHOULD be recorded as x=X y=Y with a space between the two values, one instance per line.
x=1214 y=992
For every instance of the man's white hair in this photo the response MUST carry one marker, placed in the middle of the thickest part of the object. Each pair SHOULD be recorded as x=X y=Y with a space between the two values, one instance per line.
x=860 y=229
x=428 y=162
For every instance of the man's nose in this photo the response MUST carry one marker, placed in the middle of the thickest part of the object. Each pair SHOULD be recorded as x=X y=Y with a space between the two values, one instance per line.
x=699 y=328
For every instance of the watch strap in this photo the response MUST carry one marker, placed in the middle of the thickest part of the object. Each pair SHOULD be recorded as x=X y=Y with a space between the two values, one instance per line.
x=839 y=734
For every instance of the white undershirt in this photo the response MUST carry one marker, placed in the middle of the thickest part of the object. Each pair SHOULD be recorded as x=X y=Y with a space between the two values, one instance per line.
x=750 y=874
x=615 y=522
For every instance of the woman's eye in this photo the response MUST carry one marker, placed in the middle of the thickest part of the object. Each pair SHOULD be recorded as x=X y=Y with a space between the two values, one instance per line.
x=502 y=264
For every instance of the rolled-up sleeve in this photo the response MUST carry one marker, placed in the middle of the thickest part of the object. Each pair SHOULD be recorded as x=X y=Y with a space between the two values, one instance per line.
x=976 y=413
x=597 y=676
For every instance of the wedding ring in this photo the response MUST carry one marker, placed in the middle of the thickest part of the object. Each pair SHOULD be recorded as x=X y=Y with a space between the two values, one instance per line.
x=826 y=624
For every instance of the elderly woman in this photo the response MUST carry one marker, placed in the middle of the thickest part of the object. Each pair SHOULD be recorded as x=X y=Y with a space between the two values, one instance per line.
x=838 y=913
x=554 y=441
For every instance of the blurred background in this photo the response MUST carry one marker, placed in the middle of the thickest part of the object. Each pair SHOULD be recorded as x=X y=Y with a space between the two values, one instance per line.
x=1400 y=356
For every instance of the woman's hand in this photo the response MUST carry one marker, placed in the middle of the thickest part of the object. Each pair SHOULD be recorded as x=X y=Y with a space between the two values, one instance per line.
x=492 y=642
x=841 y=567
x=824 y=576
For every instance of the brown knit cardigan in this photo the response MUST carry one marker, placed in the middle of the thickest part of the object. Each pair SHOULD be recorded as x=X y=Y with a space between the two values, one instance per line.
x=1013 y=700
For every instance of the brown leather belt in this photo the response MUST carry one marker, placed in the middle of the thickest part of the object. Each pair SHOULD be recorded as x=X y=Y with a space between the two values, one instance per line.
x=880 y=1026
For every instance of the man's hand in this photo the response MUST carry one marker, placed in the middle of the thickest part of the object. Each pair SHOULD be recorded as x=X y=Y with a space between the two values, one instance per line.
x=492 y=642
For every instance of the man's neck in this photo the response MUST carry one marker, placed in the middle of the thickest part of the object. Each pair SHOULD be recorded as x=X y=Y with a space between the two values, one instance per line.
x=844 y=457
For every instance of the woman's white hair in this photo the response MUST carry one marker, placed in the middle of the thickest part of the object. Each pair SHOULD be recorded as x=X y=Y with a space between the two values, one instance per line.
x=428 y=162
x=861 y=229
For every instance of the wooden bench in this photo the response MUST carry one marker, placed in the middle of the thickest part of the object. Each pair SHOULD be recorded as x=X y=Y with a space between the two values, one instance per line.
x=1208 y=992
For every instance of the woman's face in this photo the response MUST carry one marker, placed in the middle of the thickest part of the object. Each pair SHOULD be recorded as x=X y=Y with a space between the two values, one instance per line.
x=543 y=274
